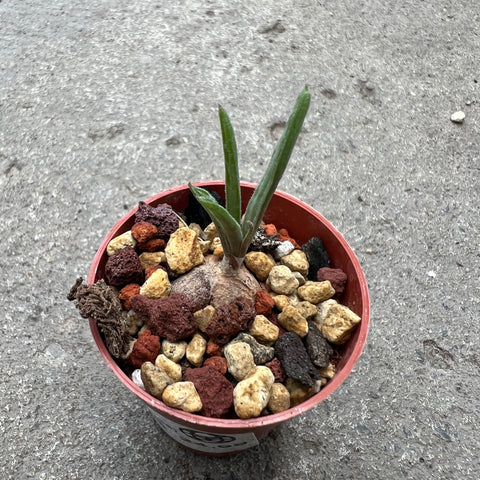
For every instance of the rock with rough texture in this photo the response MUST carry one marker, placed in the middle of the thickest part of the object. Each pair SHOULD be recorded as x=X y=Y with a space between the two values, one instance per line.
x=264 y=241
x=170 y=317
x=151 y=259
x=293 y=321
x=196 y=213
x=336 y=322
x=157 y=285
x=261 y=353
x=264 y=303
x=316 y=292
x=210 y=232
x=263 y=330
x=239 y=358
x=318 y=348
x=296 y=261
x=230 y=319
x=215 y=391
x=278 y=371
x=132 y=323
x=298 y=391
x=295 y=360
x=153 y=245
x=142 y=232
x=182 y=395
x=218 y=363
x=336 y=276
x=171 y=368
x=306 y=309
x=457 y=117
x=162 y=216
x=127 y=293
x=282 y=280
x=154 y=380
x=145 y=349
x=252 y=394
x=284 y=236
x=284 y=248
x=196 y=350
x=174 y=351
x=317 y=256
x=279 y=398
x=328 y=372
x=183 y=250
x=123 y=268
x=203 y=317
x=260 y=264
x=121 y=241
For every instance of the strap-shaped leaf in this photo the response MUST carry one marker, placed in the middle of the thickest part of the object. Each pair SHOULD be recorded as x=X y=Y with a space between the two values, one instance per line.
x=281 y=155
x=228 y=228
x=233 y=199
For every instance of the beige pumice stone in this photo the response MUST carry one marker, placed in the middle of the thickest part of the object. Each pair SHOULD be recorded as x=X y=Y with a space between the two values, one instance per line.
x=252 y=394
x=263 y=330
x=154 y=379
x=307 y=309
x=182 y=395
x=279 y=398
x=196 y=350
x=203 y=317
x=282 y=280
x=239 y=358
x=124 y=240
x=183 y=250
x=293 y=321
x=157 y=285
x=298 y=392
x=260 y=264
x=210 y=232
x=327 y=372
x=336 y=322
x=316 y=292
x=174 y=351
x=296 y=262
x=172 y=369
x=151 y=259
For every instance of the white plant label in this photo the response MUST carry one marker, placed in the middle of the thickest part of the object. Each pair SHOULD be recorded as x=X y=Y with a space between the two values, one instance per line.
x=205 y=441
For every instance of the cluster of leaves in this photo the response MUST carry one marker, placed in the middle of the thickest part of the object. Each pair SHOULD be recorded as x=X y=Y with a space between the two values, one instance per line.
x=235 y=232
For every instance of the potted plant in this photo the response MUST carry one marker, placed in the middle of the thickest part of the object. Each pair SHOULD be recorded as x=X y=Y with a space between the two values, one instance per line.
x=214 y=306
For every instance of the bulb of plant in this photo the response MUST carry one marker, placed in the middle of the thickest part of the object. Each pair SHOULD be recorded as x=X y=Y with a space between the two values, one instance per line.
x=229 y=279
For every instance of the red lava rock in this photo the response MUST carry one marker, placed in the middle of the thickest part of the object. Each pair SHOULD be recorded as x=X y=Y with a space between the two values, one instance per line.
x=215 y=391
x=170 y=317
x=145 y=349
x=284 y=236
x=150 y=270
x=295 y=360
x=336 y=276
x=213 y=349
x=278 y=371
x=230 y=319
x=218 y=363
x=127 y=293
x=153 y=245
x=123 y=268
x=270 y=229
x=144 y=231
x=162 y=216
x=264 y=303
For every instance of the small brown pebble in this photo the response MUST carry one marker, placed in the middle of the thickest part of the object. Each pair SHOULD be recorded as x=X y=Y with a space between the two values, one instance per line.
x=278 y=371
x=218 y=363
x=127 y=293
x=213 y=349
x=153 y=245
x=336 y=276
x=144 y=231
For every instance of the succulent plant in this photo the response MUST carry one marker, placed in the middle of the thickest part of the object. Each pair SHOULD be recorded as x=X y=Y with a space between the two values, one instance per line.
x=235 y=232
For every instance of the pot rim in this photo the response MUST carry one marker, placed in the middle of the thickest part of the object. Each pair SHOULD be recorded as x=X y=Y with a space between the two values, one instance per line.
x=238 y=425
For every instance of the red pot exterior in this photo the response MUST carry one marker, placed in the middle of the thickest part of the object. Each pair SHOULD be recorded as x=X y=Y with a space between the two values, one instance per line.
x=302 y=223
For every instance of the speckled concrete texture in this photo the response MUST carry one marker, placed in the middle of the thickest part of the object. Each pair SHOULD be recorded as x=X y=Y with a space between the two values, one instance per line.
x=103 y=104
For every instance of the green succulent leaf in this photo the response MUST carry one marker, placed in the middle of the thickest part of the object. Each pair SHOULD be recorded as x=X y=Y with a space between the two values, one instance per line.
x=233 y=200
x=281 y=155
x=228 y=228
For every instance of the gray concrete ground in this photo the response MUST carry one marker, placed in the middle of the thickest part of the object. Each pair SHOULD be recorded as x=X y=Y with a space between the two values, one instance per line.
x=103 y=104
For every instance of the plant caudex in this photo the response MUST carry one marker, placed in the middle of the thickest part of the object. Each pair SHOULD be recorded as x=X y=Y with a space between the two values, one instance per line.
x=235 y=232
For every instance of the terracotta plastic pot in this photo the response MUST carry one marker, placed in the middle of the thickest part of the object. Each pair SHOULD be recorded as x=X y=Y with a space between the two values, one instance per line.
x=218 y=437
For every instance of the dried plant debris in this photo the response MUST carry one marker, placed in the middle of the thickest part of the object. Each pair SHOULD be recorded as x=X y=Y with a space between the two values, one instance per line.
x=100 y=302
